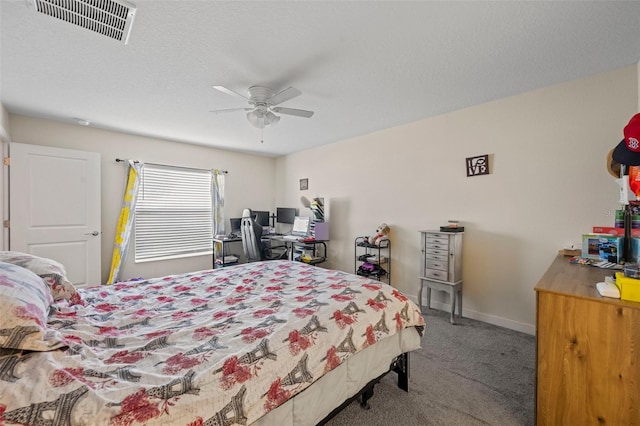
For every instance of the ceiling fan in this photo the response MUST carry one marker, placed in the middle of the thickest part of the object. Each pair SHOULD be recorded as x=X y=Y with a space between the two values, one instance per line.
x=264 y=101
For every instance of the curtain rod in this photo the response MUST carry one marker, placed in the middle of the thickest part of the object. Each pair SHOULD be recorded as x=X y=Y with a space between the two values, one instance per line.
x=118 y=160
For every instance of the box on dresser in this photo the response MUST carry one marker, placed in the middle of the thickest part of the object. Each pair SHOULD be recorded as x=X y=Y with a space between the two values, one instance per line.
x=603 y=247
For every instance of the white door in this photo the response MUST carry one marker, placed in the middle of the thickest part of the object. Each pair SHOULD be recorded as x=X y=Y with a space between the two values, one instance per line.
x=54 y=208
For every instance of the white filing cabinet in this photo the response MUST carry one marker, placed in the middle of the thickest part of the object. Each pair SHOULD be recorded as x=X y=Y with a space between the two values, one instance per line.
x=441 y=266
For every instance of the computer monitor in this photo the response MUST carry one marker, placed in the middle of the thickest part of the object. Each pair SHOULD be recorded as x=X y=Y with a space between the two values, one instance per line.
x=286 y=214
x=235 y=225
x=300 y=226
x=261 y=217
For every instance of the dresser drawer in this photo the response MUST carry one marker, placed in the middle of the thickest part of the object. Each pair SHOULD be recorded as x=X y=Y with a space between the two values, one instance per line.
x=441 y=257
x=439 y=238
x=435 y=252
x=436 y=274
x=437 y=264
x=437 y=245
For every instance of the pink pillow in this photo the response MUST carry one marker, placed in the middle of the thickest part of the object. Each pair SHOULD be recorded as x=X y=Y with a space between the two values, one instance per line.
x=52 y=272
x=25 y=301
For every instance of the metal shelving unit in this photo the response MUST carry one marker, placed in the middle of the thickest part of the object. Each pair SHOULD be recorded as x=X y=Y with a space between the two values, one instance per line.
x=373 y=261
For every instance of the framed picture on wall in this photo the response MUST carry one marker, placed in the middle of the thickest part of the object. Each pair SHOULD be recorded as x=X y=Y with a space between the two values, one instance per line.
x=478 y=165
x=304 y=184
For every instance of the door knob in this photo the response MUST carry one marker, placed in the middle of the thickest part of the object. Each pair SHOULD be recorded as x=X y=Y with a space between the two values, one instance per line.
x=94 y=233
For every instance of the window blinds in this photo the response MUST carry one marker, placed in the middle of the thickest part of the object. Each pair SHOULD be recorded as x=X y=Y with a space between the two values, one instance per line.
x=173 y=215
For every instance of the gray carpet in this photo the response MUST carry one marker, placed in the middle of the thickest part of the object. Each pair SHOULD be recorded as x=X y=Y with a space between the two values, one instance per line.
x=471 y=373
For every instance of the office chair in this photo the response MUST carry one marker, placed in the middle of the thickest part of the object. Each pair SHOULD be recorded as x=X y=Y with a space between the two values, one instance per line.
x=252 y=244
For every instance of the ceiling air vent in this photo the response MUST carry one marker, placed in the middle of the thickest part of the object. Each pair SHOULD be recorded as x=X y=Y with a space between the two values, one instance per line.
x=107 y=17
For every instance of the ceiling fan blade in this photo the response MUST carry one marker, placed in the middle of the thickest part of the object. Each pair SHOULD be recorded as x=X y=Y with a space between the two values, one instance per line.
x=217 y=111
x=285 y=95
x=230 y=92
x=293 y=111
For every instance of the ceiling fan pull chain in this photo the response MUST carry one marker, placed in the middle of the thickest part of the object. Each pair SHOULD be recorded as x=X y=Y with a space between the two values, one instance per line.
x=262 y=135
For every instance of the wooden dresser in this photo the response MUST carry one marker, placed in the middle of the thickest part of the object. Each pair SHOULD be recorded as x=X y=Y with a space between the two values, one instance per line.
x=588 y=350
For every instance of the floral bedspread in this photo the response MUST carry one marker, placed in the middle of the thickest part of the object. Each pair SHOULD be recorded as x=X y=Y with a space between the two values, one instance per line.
x=215 y=347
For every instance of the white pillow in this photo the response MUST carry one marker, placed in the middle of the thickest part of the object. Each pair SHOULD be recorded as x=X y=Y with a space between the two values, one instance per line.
x=52 y=272
x=25 y=301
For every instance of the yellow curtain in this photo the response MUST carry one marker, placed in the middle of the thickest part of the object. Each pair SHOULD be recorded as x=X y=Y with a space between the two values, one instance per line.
x=125 y=221
x=217 y=208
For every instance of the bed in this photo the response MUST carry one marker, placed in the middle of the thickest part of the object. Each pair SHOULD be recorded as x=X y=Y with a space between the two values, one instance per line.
x=263 y=343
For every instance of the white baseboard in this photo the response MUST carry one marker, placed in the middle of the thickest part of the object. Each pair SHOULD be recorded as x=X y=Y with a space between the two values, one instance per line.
x=489 y=319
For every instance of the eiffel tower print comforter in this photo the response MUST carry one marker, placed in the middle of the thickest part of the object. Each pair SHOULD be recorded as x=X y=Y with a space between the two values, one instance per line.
x=217 y=347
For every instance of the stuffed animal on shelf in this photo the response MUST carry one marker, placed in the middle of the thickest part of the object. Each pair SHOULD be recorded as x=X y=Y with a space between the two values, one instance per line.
x=382 y=233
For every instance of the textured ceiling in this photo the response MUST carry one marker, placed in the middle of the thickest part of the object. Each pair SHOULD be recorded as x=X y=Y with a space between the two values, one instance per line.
x=361 y=66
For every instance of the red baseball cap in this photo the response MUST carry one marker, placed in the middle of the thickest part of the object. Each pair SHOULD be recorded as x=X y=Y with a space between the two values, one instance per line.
x=628 y=150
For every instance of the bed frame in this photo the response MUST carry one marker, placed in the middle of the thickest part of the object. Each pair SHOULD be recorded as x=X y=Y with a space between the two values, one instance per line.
x=400 y=365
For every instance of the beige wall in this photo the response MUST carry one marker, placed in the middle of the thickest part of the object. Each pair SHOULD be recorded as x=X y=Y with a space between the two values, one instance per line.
x=242 y=189
x=548 y=185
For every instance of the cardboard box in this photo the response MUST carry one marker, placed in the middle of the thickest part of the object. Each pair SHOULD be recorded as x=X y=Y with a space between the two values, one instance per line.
x=602 y=247
x=570 y=252
x=608 y=230
x=635 y=232
x=321 y=231
x=629 y=287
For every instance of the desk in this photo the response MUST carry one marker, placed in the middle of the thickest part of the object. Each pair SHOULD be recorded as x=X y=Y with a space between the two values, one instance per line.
x=310 y=245
x=223 y=242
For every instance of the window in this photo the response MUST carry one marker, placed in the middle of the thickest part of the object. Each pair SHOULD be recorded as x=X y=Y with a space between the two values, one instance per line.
x=173 y=213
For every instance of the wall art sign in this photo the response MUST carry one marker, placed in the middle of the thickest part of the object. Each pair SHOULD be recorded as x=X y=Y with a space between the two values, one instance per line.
x=304 y=184
x=478 y=165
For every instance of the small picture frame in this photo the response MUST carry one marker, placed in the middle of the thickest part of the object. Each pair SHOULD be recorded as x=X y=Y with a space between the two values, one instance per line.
x=478 y=165
x=304 y=184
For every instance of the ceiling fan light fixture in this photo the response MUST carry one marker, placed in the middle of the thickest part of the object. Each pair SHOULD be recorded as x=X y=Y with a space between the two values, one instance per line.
x=260 y=119
x=273 y=119
x=256 y=119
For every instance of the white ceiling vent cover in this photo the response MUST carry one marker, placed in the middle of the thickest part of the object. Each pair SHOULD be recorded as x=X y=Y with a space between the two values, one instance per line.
x=107 y=17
